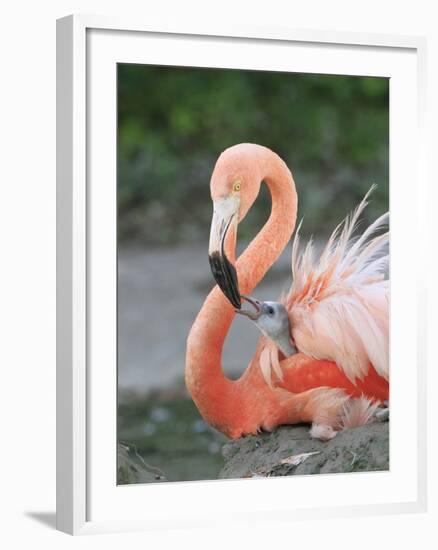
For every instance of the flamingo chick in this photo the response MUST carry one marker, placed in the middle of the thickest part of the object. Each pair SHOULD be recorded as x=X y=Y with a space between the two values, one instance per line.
x=272 y=319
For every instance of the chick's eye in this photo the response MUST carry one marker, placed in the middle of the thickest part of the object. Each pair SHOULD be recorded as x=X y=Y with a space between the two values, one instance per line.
x=270 y=310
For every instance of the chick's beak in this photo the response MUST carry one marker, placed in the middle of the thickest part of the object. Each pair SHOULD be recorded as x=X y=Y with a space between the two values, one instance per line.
x=253 y=315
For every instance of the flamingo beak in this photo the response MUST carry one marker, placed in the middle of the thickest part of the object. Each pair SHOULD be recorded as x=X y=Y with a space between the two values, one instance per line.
x=253 y=315
x=224 y=272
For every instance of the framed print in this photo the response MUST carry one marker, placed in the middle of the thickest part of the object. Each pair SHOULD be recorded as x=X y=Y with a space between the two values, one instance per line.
x=211 y=363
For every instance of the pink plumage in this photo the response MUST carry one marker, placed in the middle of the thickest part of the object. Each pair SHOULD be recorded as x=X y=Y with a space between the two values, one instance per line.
x=338 y=303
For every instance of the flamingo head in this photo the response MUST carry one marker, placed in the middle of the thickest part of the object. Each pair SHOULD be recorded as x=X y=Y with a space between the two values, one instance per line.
x=272 y=319
x=235 y=184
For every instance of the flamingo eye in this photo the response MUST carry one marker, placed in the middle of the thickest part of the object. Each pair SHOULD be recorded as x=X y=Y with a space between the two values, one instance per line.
x=236 y=186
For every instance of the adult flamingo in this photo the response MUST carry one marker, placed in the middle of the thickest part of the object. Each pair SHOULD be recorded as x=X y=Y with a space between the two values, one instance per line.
x=309 y=389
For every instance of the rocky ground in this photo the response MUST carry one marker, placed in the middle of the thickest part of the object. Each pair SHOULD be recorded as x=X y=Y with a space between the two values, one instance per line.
x=290 y=451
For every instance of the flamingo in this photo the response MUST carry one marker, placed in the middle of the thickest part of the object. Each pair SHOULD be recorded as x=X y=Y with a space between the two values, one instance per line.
x=333 y=381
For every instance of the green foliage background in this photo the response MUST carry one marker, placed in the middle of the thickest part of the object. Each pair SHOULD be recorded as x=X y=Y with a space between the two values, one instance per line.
x=332 y=131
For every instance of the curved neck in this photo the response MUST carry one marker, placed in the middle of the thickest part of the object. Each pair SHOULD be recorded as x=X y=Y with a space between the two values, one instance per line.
x=212 y=392
x=270 y=242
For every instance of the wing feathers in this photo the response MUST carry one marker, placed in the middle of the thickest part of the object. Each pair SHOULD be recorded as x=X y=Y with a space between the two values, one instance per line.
x=339 y=303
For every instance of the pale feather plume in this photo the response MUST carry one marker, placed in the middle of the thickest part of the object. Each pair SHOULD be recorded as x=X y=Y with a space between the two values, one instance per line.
x=269 y=363
x=357 y=412
x=339 y=300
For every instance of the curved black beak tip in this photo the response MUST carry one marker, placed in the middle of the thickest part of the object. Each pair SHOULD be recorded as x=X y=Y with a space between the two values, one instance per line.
x=225 y=275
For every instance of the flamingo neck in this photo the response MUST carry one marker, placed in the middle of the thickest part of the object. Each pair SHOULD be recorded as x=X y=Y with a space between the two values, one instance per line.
x=219 y=399
x=270 y=242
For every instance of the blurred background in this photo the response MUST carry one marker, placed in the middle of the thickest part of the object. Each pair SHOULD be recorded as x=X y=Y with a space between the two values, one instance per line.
x=173 y=123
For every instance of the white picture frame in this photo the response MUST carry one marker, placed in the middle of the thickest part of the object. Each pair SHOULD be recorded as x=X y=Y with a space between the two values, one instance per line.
x=88 y=500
